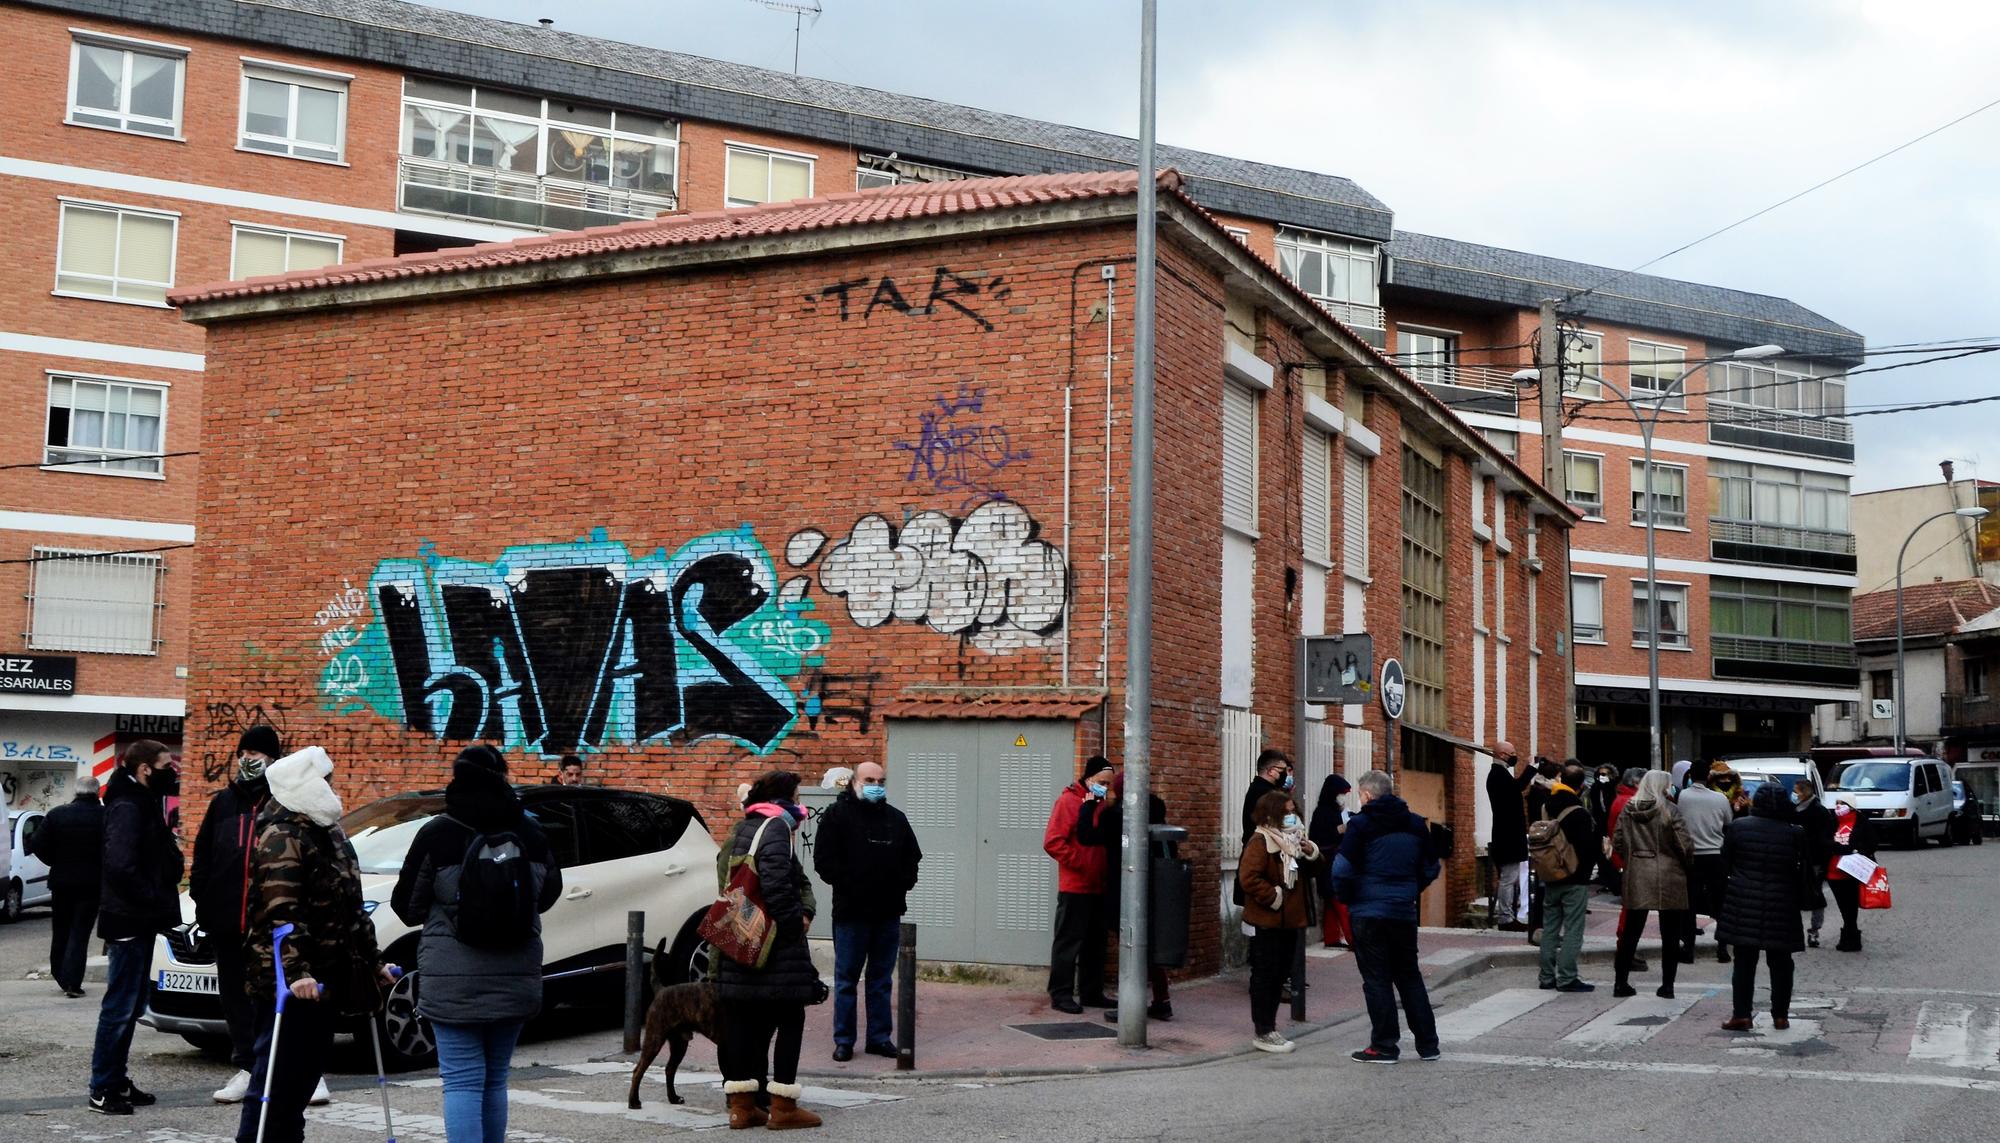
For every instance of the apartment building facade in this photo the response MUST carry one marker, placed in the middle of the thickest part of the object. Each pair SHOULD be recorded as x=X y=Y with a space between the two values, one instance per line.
x=1893 y=525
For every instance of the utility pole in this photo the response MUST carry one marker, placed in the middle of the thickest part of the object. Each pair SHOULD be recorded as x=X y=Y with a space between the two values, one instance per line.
x=1549 y=360
x=1136 y=846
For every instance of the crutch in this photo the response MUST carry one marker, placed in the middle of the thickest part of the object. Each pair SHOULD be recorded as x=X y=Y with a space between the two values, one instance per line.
x=277 y=1023
x=382 y=1075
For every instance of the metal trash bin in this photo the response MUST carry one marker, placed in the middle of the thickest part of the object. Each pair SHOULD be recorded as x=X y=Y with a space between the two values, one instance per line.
x=1172 y=894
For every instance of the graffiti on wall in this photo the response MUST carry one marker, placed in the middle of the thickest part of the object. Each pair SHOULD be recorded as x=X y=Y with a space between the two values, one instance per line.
x=345 y=672
x=949 y=290
x=961 y=450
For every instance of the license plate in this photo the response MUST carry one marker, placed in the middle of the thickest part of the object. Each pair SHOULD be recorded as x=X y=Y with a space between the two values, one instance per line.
x=189 y=982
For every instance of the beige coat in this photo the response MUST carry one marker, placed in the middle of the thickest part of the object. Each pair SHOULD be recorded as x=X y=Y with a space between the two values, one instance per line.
x=1654 y=844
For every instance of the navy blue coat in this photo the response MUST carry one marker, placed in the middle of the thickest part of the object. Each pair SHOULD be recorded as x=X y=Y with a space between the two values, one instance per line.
x=1386 y=859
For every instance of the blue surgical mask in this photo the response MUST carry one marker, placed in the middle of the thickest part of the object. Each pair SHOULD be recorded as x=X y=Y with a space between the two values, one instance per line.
x=873 y=793
x=1099 y=789
x=1287 y=783
x=1291 y=821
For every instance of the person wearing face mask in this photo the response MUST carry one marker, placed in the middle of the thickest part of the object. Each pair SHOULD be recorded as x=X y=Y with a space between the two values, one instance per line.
x=136 y=901
x=1386 y=859
x=1101 y=822
x=219 y=882
x=1277 y=864
x=867 y=853
x=1274 y=772
x=1076 y=953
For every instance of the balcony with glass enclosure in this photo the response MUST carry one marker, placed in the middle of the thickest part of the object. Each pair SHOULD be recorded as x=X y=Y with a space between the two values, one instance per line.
x=1780 y=406
x=1341 y=274
x=522 y=160
x=1766 y=514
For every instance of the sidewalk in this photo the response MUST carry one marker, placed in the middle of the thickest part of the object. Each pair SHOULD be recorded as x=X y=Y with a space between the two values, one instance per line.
x=970 y=1031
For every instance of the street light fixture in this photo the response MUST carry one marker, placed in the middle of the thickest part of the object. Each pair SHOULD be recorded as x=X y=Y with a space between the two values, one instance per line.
x=1966 y=513
x=1646 y=426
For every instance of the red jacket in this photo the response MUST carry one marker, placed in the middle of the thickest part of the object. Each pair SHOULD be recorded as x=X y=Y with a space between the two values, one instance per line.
x=1625 y=794
x=1080 y=867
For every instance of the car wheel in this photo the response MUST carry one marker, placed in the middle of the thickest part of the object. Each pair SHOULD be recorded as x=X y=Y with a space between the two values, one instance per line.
x=1945 y=837
x=691 y=957
x=10 y=906
x=407 y=1041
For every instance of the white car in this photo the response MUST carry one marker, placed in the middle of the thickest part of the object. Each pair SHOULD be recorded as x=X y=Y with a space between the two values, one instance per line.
x=24 y=879
x=620 y=850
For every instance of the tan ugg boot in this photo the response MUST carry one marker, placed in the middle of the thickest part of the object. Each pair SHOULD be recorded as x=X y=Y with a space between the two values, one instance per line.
x=785 y=1110
x=743 y=1109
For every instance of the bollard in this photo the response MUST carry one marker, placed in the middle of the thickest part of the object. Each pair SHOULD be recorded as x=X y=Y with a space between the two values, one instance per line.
x=635 y=977
x=906 y=1000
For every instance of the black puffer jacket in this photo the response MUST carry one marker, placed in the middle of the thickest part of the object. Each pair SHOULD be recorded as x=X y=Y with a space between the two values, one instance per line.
x=1766 y=857
x=71 y=844
x=220 y=879
x=1817 y=822
x=461 y=983
x=868 y=854
x=142 y=865
x=788 y=975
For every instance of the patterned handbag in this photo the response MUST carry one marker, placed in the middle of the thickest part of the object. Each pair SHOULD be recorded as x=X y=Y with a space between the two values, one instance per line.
x=738 y=925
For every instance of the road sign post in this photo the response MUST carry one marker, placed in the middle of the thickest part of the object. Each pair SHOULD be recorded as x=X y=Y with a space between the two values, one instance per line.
x=1393 y=689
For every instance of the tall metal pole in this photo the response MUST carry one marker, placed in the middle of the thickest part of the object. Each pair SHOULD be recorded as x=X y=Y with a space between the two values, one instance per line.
x=1654 y=755
x=1132 y=951
x=1555 y=477
x=1900 y=553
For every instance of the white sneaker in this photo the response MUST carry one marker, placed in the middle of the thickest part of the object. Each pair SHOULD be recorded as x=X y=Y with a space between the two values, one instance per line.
x=1272 y=1041
x=235 y=1090
x=321 y=1097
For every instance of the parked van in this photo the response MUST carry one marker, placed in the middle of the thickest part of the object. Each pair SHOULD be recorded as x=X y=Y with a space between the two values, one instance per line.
x=1907 y=798
x=1760 y=769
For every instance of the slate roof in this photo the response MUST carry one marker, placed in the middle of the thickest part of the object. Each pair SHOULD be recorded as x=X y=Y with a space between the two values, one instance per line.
x=553 y=61
x=1426 y=263
x=1938 y=608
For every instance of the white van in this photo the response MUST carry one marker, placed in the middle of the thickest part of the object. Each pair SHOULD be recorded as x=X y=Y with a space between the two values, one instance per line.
x=1762 y=769
x=1907 y=799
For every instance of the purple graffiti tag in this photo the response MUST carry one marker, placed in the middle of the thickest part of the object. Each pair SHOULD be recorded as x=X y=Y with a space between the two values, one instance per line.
x=958 y=450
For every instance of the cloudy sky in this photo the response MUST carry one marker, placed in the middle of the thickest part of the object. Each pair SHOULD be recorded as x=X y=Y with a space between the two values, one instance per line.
x=1607 y=133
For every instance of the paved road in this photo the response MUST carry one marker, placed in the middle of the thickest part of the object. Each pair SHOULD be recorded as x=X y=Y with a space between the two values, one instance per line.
x=1899 y=1042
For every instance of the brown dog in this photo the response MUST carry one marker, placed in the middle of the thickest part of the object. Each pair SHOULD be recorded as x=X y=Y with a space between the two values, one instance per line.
x=677 y=1013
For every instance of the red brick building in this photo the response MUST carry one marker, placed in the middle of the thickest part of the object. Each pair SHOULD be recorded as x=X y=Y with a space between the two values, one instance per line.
x=826 y=481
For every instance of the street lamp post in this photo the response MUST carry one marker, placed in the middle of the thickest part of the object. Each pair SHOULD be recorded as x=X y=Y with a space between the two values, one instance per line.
x=1654 y=755
x=1967 y=513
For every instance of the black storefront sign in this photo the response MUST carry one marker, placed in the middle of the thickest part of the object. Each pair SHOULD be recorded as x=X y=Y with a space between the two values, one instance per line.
x=38 y=674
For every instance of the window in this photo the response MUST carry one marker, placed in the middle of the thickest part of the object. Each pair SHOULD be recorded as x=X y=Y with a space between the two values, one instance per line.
x=1583 y=365
x=1330 y=269
x=558 y=820
x=766 y=176
x=1424 y=661
x=259 y=250
x=296 y=113
x=1975 y=678
x=115 y=253
x=1427 y=355
x=1882 y=684
x=1669 y=494
x=98 y=425
x=1781 y=387
x=1586 y=608
x=126 y=88
x=1657 y=371
x=1673 y=614
x=1316 y=508
x=1847 y=710
x=1583 y=474
x=1239 y=458
x=865 y=178
x=893 y=170
x=93 y=601
x=1354 y=515
x=1778 y=497
x=1788 y=612
x=1506 y=440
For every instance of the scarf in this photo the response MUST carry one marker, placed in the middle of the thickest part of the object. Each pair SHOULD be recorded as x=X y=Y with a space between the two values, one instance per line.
x=298 y=783
x=1287 y=845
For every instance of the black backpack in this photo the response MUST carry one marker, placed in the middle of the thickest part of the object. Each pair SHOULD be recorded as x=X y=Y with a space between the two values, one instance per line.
x=496 y=905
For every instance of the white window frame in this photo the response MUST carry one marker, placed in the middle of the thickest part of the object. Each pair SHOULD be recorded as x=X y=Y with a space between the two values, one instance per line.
x=81 y=38
x=1672 y=399
x=1581 y=382
x=1354 y=252
x=1597 y=583
x=237 y=229
x=1236 y=524
x=548 y=119
x=1435 y=368
x=1638 y=490
x=730 y=150
x=106 y=455
x=1596 y=458
x=63 y=207
x=37 y=590
x=1239 y=233
x=1667 y=640
x=295 y=78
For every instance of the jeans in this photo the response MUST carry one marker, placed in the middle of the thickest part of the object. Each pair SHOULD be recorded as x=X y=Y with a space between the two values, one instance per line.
x=1510 y=900
x=239 y=1012
x=1270 y=963
x=1564 y=909
x=1632 y=924
x=126 y=983
x=760 y=1032
x=69 y=935
x=305 y=1039
x=1386 y=953
x=1744 y=980
x=1076 y=957
x=472 y=1062
x=869 y=945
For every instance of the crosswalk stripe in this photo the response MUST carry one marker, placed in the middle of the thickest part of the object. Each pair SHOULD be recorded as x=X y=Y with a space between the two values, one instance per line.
x=1956 y=1036
x=1632 y=1021
x=1481 y=1017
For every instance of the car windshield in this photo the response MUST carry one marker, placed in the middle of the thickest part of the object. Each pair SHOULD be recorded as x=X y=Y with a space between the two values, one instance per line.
x=1752 y=780
x=382 y=831
x=1873 y=776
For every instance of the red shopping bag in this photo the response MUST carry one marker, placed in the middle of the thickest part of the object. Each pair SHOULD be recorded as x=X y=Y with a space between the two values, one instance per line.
x=1875 y=894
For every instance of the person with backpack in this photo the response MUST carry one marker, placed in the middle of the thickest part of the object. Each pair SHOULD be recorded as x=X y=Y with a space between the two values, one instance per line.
x=71 y=844
x=1563 y=847
x=136 y=902
x=476 y=880
x=1387 y=857
x=219 y=882
x=304 y=873
x=764 y=1005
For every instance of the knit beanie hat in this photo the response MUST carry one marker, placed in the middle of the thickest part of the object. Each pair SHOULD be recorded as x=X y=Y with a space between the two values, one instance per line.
x=263 y=739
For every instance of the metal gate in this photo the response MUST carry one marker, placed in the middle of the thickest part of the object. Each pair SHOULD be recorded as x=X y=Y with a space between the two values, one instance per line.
x=978 y=794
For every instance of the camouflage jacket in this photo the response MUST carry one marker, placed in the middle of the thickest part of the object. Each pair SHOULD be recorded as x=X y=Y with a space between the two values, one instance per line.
x=306 y=875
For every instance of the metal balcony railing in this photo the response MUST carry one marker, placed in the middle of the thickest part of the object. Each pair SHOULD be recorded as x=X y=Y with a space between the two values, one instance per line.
x=1791 y=651
x=485 y=193
x=1354 y=313
x=1490 y=378
x=1774 y=421
x=1778 y=536
x=1967 y=710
